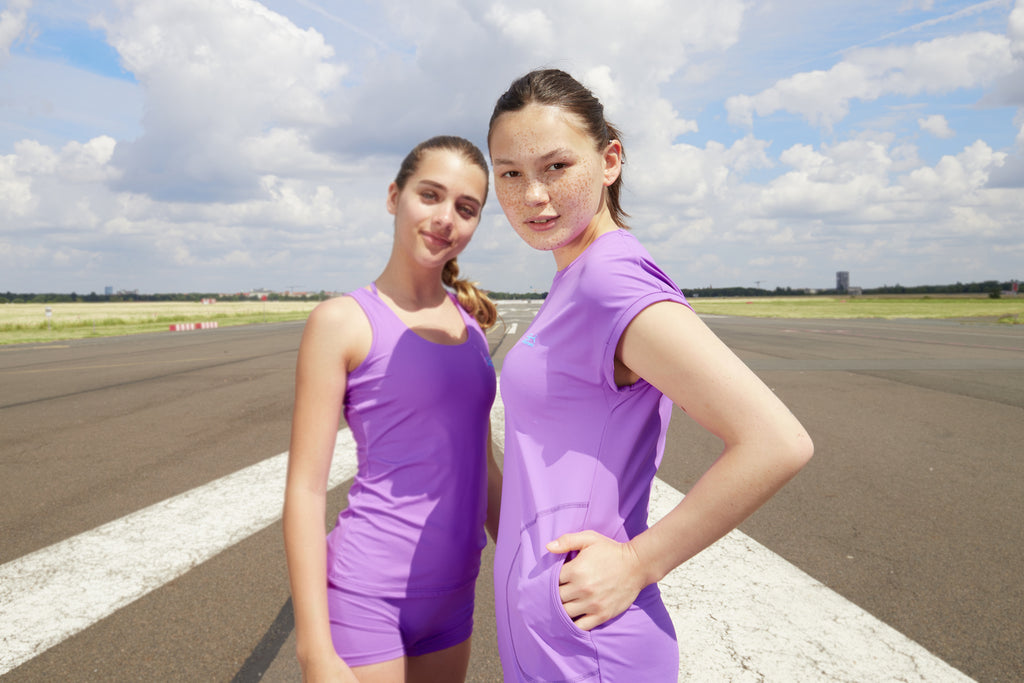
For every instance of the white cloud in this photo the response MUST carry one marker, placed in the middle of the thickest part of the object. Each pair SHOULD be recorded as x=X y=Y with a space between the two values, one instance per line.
x=216 y=74
x=12 y=23
x=938 y=66
x=936 y=125
x=523 y=27
x=15 y=189
x=955 y=178
x=247 y=150
x=1015 y=29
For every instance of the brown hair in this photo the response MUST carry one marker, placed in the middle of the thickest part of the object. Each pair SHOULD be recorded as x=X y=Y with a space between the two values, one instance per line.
x=556 y=88
x=469 y=295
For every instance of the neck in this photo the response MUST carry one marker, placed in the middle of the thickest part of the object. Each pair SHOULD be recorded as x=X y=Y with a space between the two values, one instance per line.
x=601 y=224
x=410 y=287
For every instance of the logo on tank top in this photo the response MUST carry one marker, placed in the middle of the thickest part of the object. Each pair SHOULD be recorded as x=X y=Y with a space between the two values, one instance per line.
x=529 y=339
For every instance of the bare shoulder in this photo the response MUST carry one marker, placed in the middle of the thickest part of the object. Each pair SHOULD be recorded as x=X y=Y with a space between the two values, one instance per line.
x=339 y=324
x=337 y=312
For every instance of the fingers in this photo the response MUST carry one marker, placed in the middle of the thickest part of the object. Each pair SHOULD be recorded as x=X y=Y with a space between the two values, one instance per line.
x=600 y=582
x=584 y=615
x=573 y=541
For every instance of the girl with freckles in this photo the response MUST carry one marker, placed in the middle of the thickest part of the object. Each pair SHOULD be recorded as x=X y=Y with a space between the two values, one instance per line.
x=388 y=597
x=588 y=394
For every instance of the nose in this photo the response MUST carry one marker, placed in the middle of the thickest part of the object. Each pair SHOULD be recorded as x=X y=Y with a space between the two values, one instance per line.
x=536 y=193
x=443 y=216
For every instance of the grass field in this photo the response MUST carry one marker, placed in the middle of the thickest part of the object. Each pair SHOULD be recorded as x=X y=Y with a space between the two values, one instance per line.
x=22 y=323
x=25 y=323
x=979 y=309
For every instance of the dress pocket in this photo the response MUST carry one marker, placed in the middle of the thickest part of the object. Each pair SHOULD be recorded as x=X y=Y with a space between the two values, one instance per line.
x=547 y=645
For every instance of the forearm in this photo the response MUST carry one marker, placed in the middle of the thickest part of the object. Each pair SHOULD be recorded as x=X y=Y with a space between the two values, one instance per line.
x=739 y=482
x=306 y=552
x=493 y=496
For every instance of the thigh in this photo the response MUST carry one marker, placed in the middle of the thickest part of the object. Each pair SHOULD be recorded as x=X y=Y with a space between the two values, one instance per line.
x=392 y=671
x=444 y=666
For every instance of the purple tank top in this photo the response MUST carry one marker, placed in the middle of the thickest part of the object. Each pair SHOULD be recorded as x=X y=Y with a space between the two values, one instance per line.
x=580 y=452
x=419 y=413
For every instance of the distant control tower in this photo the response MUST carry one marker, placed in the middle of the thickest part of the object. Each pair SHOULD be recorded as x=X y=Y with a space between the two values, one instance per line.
x=843 y=281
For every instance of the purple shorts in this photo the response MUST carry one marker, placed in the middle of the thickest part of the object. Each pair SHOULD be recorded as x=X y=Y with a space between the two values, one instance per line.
x=369 y=630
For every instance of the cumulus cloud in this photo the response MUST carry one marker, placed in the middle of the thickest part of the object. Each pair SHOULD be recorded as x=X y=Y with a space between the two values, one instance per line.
x=936 y=125
x=12 y=23
x=824 y=97
x=220 y=78
x=264 y=147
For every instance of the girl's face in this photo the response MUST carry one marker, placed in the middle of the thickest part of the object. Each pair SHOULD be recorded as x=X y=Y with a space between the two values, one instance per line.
x=550 y=179
x=439 y=208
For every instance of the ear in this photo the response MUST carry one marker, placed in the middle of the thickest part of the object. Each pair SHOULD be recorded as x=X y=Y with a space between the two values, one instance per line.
x=612 y=162
x=392 y=202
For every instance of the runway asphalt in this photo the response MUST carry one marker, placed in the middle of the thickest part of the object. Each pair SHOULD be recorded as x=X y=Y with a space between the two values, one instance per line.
x=911 y=509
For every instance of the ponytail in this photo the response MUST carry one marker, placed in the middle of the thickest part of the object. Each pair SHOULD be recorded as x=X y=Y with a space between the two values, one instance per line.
x=470 y=297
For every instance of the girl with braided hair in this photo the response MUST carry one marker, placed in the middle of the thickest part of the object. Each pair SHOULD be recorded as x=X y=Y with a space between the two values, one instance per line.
x=389 y=596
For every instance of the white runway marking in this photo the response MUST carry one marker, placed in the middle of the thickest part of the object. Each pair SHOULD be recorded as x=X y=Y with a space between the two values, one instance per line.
x=741 y=612
x=51 y=594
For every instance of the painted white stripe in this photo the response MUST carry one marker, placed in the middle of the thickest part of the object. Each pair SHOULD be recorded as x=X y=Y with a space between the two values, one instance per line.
x=53 y=593
x=512 y=329
x=741 y=612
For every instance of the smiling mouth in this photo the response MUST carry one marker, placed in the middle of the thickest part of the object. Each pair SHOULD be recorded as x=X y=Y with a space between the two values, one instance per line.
x=437 y=239
x=541 y=222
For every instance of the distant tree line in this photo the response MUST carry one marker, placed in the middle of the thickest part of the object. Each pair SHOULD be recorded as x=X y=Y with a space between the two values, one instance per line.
x=93 y=297
x=987 y=287
x=990 y=287
x=693 y=292
x=505 y=296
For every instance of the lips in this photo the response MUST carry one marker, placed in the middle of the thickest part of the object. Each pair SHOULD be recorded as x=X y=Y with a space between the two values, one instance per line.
x=437 y=240
x=541 y=222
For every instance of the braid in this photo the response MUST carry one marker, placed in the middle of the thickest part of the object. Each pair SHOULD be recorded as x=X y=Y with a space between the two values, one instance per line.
x=470 y=297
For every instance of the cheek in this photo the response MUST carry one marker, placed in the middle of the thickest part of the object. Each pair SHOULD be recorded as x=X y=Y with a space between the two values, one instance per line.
x=505 y=195
x=469 y=229
x=578 y=193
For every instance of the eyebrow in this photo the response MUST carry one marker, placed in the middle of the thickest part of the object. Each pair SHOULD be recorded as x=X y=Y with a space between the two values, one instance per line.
x=561 y=151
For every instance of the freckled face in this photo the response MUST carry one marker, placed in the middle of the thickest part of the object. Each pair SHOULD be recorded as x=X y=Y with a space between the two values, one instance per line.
x=438 y=210
x=549 y=178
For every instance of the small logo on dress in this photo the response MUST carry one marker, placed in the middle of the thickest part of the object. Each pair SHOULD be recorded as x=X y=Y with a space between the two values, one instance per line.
x=530 y=339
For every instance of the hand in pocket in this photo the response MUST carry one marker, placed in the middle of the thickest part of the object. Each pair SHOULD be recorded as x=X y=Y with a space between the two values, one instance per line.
x=601 y=581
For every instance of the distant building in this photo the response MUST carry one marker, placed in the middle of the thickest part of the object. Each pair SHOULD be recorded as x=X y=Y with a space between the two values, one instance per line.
x=108 y=290
x=843 y=281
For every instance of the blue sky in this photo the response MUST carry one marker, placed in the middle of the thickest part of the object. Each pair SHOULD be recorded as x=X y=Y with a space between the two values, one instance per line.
x=224 y=145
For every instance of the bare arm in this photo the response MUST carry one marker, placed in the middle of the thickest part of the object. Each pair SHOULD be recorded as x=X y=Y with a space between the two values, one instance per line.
x=764 y=447
x=330 y=347
x=493 y=489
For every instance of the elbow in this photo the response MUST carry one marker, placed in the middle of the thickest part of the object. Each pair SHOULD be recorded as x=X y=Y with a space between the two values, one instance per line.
x=799 y=451
x=787 y=451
